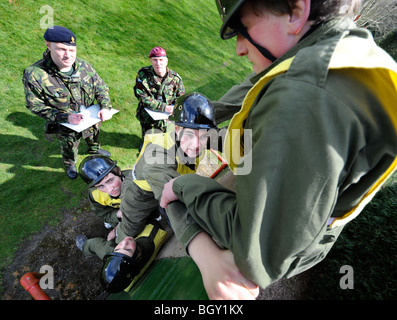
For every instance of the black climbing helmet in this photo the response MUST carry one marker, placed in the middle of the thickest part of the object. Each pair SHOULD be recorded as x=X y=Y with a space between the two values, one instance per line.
x=194 y=111
x=118 y=271
x=94 y=168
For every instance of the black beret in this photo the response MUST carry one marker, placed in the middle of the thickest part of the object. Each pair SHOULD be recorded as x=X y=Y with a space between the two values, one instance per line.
x=60 y=34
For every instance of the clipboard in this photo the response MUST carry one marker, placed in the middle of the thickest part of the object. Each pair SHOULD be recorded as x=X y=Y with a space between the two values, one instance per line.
x=90 y=118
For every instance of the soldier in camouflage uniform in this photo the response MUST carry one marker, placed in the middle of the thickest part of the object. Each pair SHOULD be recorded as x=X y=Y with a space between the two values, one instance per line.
x=157 y=89
x=55 y=88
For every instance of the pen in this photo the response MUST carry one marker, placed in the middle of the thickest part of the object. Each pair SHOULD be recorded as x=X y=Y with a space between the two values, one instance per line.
x=80 y=115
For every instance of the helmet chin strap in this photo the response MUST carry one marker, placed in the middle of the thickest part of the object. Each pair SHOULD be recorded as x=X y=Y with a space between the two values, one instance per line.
x=266 y=53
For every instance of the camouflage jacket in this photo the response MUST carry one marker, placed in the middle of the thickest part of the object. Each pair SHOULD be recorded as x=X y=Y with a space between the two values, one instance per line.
x=53 y=96
x=154 y=92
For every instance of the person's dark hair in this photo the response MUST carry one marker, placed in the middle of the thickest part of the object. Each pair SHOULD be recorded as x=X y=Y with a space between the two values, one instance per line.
x=117 y=171
x=320 y=10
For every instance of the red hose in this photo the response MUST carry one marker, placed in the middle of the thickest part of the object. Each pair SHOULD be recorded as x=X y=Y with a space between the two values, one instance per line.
x=223 y=166
x=30 y=282
x=215 y=173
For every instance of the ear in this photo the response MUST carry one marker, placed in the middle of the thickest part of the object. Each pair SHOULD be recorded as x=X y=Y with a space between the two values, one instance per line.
x=299 y=16
x=48 y=44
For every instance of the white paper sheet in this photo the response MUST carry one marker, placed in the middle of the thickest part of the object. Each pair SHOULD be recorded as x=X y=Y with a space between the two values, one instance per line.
x=157 y=115
x=89 y=118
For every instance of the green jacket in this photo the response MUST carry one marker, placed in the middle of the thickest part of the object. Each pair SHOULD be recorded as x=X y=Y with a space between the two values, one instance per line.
x=159 y=161
x=52 y=95
x=156 y=93
x=137 y=207
x=323 y=125
x=230 y=103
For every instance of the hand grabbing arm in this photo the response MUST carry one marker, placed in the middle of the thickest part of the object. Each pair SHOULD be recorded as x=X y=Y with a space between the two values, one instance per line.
x=168 y=195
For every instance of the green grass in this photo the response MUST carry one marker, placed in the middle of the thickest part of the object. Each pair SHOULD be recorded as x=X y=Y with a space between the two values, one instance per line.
x=116 y=37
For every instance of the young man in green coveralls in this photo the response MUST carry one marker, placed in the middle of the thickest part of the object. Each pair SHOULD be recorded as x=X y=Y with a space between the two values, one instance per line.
x=322 y=119
x=113 y=193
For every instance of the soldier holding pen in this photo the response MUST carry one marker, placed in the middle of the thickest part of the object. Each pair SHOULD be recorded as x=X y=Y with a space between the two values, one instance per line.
x=55 y=89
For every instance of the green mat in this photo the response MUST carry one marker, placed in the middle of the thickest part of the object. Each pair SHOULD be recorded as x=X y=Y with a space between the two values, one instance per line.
x=167 y=279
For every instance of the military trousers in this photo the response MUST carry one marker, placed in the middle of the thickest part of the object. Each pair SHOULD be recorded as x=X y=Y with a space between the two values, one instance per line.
x=70 y=141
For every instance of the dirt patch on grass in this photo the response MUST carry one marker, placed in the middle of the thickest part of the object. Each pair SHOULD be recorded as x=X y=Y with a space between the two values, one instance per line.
x=75 y=277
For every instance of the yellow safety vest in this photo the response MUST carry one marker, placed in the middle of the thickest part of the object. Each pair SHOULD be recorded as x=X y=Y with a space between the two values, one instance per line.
x=165 y=141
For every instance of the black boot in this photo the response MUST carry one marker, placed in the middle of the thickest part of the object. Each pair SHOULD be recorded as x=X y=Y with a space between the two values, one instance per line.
x=71 y=171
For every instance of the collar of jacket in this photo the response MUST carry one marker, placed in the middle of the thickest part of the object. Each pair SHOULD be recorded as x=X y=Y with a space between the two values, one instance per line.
x=166 y=141
x=161 y=79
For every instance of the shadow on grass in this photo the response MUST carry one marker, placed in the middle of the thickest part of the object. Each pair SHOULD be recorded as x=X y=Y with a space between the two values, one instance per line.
x=36 y=127
x=368 y=245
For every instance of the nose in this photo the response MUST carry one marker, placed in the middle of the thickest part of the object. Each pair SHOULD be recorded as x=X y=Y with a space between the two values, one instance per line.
x=127 y=243
x=67 y=54
x=107 y=188
x=130 y=244
x=241 y=49
x=195 y=142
